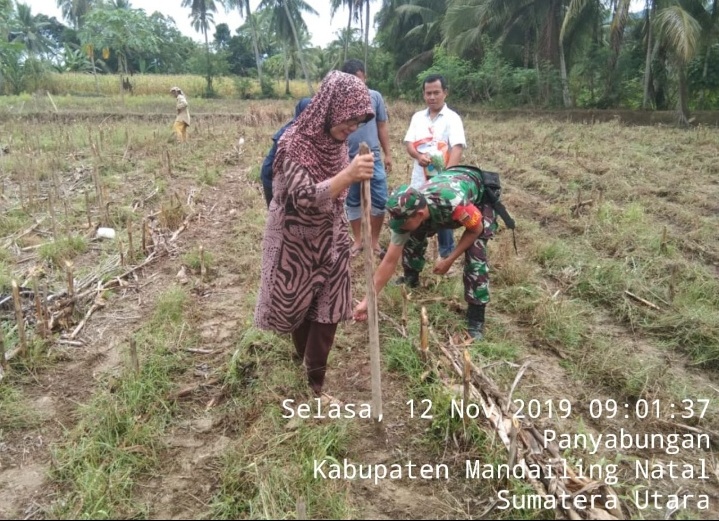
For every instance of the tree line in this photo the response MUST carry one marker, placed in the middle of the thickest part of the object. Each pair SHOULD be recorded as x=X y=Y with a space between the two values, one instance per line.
x=650 y=54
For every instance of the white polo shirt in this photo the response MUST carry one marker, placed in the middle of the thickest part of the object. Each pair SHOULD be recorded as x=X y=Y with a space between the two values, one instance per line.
x=441 y=133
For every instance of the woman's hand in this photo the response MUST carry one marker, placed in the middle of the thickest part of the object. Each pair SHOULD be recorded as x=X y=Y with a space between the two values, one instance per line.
x=361 y=168
x=360 y=311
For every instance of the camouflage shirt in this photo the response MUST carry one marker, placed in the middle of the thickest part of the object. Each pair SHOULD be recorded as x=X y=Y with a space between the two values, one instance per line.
x=453 y=200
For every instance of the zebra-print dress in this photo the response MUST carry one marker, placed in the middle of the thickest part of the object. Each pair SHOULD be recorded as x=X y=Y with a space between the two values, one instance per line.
x=305 y=255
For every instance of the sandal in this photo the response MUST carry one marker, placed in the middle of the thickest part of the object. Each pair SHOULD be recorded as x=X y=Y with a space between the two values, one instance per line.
x=355 y=250
x=380 y=252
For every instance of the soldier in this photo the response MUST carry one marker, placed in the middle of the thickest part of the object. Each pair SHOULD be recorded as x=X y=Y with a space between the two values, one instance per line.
x=450 y=200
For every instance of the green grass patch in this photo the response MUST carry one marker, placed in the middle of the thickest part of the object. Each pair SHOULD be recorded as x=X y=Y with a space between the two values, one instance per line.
x=6 y=276
x=118 y=439
x=194 y=260
x=63 y=249
x=269 y=470
x=15 y=412
x=271 y=467
x=209 y=176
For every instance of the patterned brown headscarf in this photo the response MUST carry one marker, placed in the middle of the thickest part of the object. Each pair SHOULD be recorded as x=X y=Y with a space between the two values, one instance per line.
x=308 y=142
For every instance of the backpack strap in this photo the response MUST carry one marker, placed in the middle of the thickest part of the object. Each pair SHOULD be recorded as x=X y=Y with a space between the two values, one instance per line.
x=492 y=196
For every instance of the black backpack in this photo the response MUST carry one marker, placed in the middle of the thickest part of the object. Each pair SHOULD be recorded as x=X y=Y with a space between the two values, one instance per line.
x=492 y=196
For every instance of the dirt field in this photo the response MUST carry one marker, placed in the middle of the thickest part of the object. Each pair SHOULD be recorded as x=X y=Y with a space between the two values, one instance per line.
x=606 y=322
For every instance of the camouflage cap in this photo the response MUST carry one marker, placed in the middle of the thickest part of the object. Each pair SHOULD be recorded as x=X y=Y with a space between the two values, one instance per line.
x=403 y=204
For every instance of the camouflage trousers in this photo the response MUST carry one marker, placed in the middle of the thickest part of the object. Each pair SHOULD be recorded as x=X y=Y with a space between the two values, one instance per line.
x=476 y=265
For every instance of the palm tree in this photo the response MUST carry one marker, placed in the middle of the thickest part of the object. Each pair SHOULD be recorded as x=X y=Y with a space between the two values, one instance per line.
x=422 y=20
x=366 y=33
x=201 y=14
x=578 y=16
x=616 y=37
x=708 y=17
x=27 y=29
x=393 y=36
x=681 y=32
x=243 y=6
x=286 y=18
x=353 y=15
x=74 y=10
x=650 y=10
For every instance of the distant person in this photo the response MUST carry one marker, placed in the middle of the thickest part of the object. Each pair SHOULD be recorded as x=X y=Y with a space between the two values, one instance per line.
x=305 y=289
x=266 y=171
x=435 y=140
x=375 y=133
x=182 y=121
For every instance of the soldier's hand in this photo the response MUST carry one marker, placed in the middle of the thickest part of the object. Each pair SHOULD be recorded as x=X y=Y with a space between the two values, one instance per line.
x=442 y=266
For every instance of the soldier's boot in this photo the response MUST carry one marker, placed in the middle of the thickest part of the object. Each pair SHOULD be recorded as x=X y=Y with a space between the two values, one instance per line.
x=475 y=321
x=410 y=279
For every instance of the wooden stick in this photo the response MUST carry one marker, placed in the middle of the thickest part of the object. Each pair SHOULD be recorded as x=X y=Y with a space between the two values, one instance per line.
x=18 y=317
x=95 y=306
x=466 y=382
x=3 y=361
x=202 y=263
x=405 y=303
x=517 y=378
x=127 y=144
x=51 y=209
x=373 y=321
x=130 y=253
x=673 y=282
x=98 y=190
x=424 y=335
x=134 y=361
x=467 y=376
x=53 y=102
x=580 y=204
x=22 y=199
x=144 y=236
x=577 y=206
x=20 y=235
x=70 y=278
x=200 y=351
x=192 y=388
x=641 y=300
x=39 y=313
x=169 y=163
x=87 y=209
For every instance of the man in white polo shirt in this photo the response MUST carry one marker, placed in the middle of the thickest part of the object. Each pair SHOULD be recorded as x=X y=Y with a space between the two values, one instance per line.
x=435 y=140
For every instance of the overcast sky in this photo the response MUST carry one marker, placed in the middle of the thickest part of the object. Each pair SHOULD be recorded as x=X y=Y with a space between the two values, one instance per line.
x=321 y=27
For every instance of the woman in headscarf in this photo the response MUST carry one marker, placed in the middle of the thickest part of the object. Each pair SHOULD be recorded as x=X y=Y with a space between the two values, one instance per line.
x=305 y=286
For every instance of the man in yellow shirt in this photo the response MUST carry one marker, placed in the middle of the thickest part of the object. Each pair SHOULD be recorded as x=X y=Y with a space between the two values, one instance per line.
x=182 y=121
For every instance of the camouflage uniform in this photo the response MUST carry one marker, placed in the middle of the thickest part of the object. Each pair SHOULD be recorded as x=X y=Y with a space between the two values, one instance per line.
x=448 y=196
